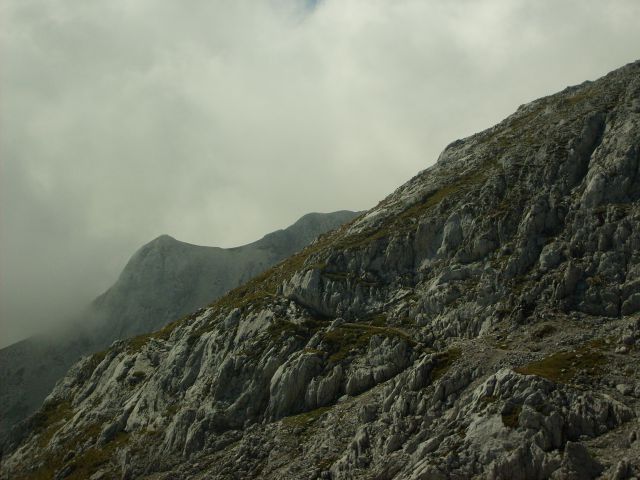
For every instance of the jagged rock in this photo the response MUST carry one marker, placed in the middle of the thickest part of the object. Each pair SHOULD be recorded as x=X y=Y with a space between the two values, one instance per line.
x=466 y=327
x=622 y=471
x=525 y=462
x=385 y=358
x=163 y=281
x=324 y=390
x=577 y=464
x=290 y=382
x=624 y=389
x=631 y=305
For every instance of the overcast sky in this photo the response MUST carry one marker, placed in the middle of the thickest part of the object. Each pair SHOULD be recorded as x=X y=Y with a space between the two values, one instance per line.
x=219 y=121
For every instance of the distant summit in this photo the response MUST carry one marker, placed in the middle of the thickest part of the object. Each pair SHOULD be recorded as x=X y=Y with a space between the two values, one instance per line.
x=164 y=280
x=163 y=240
x=167 y=278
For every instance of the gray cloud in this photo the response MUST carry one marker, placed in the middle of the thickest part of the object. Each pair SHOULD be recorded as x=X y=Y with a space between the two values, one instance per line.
x=219 y=121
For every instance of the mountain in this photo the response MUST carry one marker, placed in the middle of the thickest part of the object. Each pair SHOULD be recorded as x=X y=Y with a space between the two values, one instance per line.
x=479 y=322
x=164 y=280
x=167 y=278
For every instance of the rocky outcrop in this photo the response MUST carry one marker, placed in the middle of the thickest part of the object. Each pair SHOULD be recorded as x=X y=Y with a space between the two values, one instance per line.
x=164 y=280
x=480 y=322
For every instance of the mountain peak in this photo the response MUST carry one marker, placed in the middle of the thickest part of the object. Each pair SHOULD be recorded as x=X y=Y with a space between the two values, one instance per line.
x=165 y=279
x=163 y=240
x=479 y=322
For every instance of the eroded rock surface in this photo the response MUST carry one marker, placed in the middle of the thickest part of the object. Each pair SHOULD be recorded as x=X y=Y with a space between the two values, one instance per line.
x=164 y=280
x=480 y=322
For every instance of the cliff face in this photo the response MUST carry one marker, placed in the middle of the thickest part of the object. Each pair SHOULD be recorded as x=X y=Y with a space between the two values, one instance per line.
x=479 y=322
x=164 y=280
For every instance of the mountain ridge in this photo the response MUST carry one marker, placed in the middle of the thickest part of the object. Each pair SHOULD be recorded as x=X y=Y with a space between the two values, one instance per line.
x=480 y=322
x=164 y=279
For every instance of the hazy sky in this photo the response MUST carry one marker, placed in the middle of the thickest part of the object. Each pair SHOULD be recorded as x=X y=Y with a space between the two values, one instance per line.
x=218 y=121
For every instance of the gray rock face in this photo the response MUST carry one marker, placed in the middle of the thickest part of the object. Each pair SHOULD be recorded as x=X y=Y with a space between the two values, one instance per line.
x=577 y=464
x=164 y=280
x=469 y=326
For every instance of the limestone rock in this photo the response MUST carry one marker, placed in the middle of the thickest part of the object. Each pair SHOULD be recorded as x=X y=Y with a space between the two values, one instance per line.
x=465 y=327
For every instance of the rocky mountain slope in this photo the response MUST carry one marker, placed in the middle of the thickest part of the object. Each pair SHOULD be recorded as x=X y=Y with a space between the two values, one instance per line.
x=480 y=322
x=164 y=280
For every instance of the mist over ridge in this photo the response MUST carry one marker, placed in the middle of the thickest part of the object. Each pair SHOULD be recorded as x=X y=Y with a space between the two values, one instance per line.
x=218 y=122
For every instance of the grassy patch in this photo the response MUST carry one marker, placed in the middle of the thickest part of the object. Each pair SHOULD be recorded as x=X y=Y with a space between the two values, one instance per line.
x=579 y=97
x=444 y=361
x=304 y=420
x=165 y=332
x=561 y=367
x=264 y=286
x=284 y=329
x=356 y=336
x=81 y=466
x=135 y=344
x=543 y=331
x=379 y=320
x=94 y=458
x=405 y=220
x=313 y=351
x=95 y=360
x=280 y=330
x=488 y=399
x=50 y=419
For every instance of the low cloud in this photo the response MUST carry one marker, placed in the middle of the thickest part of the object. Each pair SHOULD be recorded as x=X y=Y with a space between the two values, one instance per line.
x=216 y=122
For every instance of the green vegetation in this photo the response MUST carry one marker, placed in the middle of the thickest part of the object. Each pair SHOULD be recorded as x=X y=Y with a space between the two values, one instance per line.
x=262 y=288
x=135 y=344
x=444 y=361
x=50 y=419
x=84 y=463
x=265 y=285
x=96 y=359
x=561 y=367
x=517 y=130
x=405 y=220
x=304 y=420
x=356 y=336
x=283 y=328
x=581 y=96
x=379 y=320
x=93 y=458
x=595 y=281
x=543 y=331
x=488 y=399
x=280 y=330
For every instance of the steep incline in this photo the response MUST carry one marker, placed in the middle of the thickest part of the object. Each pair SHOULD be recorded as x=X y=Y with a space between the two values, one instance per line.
x=480 y=322
x=164 y=280
x=167 y=279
